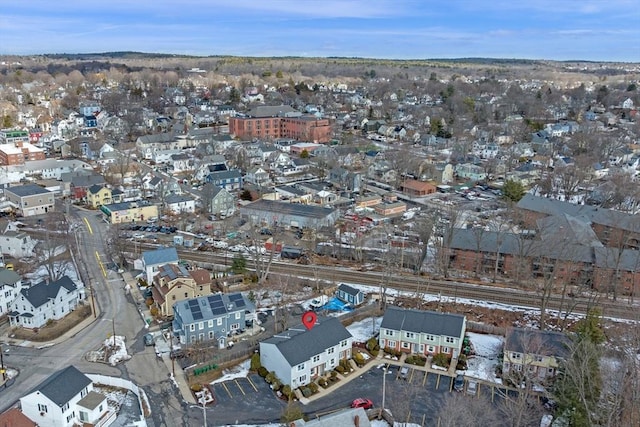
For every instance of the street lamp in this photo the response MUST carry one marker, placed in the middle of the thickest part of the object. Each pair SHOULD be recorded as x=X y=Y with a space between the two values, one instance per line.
x=384 y=386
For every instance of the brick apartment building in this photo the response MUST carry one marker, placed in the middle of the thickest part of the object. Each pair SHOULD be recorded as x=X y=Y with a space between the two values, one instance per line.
x=17 y=153
x=275 y=122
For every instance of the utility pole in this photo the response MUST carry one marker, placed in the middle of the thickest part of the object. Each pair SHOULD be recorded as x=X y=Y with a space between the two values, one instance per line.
x=2 y=368
x=113 y=326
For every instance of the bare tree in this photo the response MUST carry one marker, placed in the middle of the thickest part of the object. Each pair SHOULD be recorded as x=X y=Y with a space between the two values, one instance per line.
x=463 y=411
x=54 y=250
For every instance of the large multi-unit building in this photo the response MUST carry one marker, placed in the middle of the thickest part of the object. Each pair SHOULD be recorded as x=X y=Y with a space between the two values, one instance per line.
x=300 y=355
x=274 y=122
x=30 y=199
x=422 y=332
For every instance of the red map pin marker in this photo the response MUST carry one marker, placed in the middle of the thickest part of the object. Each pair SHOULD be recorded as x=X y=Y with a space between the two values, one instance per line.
x=309 y=319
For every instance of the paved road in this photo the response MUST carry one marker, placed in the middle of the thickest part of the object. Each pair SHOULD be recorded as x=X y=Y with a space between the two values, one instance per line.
x=117 y=309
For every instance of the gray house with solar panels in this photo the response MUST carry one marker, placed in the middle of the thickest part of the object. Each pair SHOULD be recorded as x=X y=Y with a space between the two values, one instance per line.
x=212 y=317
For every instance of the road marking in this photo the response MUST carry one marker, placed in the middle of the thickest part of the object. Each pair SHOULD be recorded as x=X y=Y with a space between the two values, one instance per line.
x=252 y=384
x=88 y=225
x=438 y=383
x=424 y=380
x=228 y=392
x=241 y=390
x=411 y=375
x=104 y=272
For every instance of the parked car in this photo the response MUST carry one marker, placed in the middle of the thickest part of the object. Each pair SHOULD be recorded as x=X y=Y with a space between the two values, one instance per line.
x=458 y=383
x=472 y=388
x=148 y=340
x=362 y=403
x=138 y=236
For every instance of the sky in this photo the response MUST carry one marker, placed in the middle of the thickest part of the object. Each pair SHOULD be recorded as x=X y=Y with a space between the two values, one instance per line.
x=596 y=30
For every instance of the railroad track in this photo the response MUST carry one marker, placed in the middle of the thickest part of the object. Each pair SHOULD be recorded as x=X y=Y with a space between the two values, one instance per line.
x=423 y=285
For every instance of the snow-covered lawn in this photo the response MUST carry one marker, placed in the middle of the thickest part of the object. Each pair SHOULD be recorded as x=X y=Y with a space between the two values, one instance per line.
x=364 y=329
x=487 y=351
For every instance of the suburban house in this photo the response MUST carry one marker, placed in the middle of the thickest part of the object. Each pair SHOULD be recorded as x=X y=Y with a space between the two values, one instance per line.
x=300 y=355
x=16 y=244
x=30 y=199
x=98 y=195
x=66 y=399
x=173 y=283
x=422 y=332
x=228 y=179
x=350 y=295
x=79 y=182
x=10 y=285
x=45 y=301
x=153 y=260
x=213 y=317
x=179 y=203
x=345 y=180
x=138 y=211
x=270 y=212
x=223 y=203
x=533 y=354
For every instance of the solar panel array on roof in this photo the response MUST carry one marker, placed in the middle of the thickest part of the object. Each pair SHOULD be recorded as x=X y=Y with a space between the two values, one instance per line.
x=237 y=300
x=195 y=310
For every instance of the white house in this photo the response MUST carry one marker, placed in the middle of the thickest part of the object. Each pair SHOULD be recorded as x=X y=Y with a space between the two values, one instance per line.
x=10 y=285
x=153 y=260
x=178 y=203
x=66 y=399
x=16 y=244
x=299 y=355
x=44 y=301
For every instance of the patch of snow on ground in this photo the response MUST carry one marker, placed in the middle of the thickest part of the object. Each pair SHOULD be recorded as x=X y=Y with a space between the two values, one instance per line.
x=487 y=351
x=239 y=371
x=117 y=349
x=364 y=329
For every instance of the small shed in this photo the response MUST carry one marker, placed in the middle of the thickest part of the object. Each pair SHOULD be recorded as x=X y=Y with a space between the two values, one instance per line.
x=350 y=295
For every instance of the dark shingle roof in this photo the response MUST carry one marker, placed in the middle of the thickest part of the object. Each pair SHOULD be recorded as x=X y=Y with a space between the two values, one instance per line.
x=63 y=385
x=28 y=190
x=534 y=341
x=429 y=322
x=42 y=292
x=298 y=344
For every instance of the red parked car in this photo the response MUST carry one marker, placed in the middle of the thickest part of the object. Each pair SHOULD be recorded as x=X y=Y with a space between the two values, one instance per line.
x=362 y=403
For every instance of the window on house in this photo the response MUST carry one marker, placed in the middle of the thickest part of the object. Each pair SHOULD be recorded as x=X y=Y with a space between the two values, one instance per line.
x=391 y=344
x=200 y=325
x=219 y=321
x=409 y=334
x=515 y=355
x=210 y=323
x=42 y=408
x=237 y=315
x=192 y=327
x=302 y=379
x=210 y=335
x=445 y=349
x=343 y=343
x=405 y=345
x=331 y=350
x=301 y=367
x=449 y=340
x=429 y=337
x=316 y=358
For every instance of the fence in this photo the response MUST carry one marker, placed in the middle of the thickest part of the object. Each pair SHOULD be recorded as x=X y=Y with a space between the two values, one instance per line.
x=126 y=384
x=485 y=329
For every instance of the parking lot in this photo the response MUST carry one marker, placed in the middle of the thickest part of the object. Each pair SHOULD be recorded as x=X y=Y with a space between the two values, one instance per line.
x=247 y=400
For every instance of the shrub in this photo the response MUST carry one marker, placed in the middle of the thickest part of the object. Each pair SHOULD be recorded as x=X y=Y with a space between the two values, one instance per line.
x=154 y=311
x=306 y=391
x=276 y=385
x=359 y=359
x=196 y=387
x=263 y=372
x=270 y=378
x=313 y=387
x=416 y=359
x=148 y=302
x=255 y=362
x=322 y=382
x=334 y=374
x=462 y=363
x=375 y=352
x=441 y=359
x=345 y=364
x=372 y=345
x=286 y=391
x=340 y=369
